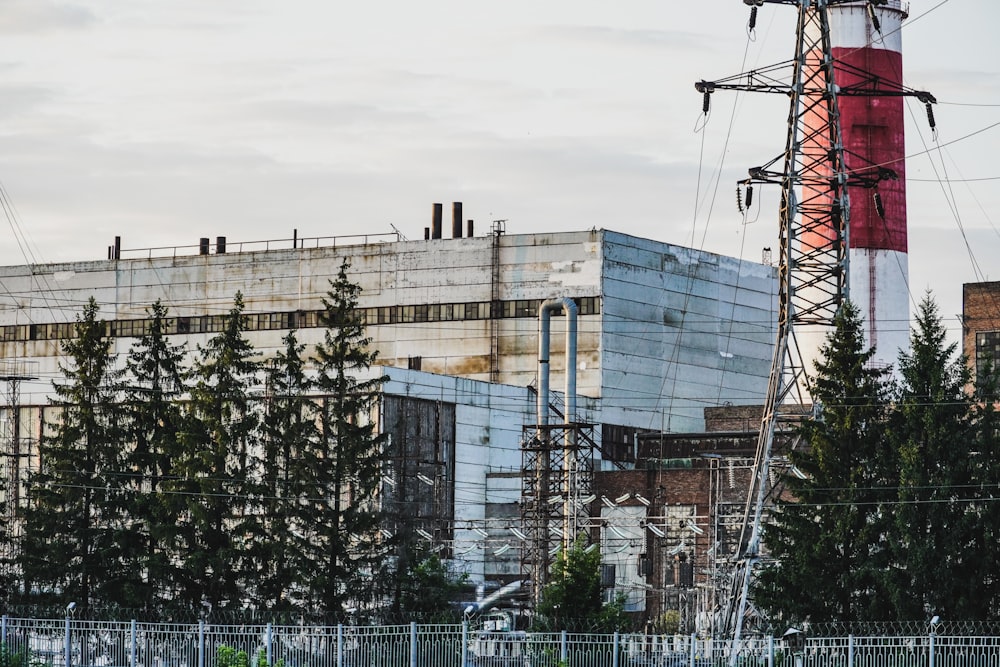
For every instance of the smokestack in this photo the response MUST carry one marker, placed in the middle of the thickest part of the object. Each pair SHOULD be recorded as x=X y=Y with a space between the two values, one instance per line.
x=872 y=129
x=436 y=221
x=456 y=220
x=220 y=245
x=203 y=246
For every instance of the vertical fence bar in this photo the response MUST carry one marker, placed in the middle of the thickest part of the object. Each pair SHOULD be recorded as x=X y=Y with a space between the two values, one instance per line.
x=563 y=648
x=3 y=629
x=270 y=655
x=340 y=645
x=413 y=644
x=465 y=644
x=133 y=648
x=201 y=643
x=68 y=647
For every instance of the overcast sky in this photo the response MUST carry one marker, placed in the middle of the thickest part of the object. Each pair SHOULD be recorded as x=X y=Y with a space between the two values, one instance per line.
x=163 y=121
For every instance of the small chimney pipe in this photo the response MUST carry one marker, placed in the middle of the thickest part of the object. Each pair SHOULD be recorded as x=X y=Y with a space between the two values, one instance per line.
x=456 y=220
x=468 y=231
x=436 y=221
x=220 y=245
x=203 y=246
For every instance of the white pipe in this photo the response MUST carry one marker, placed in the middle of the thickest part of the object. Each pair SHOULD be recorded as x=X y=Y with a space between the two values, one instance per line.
x=544 y=327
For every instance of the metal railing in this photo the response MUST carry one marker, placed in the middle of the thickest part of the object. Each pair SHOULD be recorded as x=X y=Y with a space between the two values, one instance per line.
x=70 y=642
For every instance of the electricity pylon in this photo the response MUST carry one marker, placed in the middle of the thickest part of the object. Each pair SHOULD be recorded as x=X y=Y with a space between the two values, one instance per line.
x=814 y=236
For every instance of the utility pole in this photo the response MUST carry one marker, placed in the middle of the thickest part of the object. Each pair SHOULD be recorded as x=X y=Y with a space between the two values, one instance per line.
x=814 y=235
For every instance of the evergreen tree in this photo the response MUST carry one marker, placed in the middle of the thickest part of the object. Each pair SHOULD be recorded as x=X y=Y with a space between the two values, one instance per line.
x=982 y=497
x=75 y=523
x=156 y=372
x=933 y=443
x=213 y=470
x=344 y=469
x=289 y=430
x=827 y=543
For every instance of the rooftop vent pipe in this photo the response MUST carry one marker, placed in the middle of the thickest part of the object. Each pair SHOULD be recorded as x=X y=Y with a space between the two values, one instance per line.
x=456 y=220
x=436 y=221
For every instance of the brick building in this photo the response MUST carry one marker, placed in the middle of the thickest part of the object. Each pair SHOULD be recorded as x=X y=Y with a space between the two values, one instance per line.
x=981 y=325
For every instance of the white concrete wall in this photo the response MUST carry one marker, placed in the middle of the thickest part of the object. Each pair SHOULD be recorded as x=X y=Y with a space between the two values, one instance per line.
x=679 y=330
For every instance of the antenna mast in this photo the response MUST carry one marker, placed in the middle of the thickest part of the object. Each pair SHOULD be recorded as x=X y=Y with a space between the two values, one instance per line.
x=814 y=229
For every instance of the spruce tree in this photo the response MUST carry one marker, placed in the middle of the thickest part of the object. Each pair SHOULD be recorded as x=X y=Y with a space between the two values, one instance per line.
x=982 y=495
x=933 y=442
x=344 y=469
x=75 y=525
x=288 y=434
x=826 y=543
x=213 y=469
x=157 y=385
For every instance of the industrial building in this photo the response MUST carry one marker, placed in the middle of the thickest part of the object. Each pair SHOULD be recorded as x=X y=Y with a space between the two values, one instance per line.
x=662 y=333
x=981 y=326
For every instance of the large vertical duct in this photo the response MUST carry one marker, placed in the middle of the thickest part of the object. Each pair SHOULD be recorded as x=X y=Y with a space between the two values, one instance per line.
x=436 y=221
x=568 y=307
x=456 y=220
x=866 y=41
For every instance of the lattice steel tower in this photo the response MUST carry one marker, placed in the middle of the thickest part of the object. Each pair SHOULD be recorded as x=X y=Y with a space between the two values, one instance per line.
x=821 y=162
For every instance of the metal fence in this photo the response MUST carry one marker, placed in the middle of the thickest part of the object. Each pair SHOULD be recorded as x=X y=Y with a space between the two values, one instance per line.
x=78 y=643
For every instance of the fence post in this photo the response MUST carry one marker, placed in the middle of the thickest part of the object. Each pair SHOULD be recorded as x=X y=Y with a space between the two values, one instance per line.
x=691 y=649
x=270 y=657
x=413 y=644
x=68 y=647
x=850 y=650
x=133 y=653
x=614 y=655
x=340 y=645
x=563 y=649
x=3 y=629
x=930 y=661
x=465 y=643
x=201 y=643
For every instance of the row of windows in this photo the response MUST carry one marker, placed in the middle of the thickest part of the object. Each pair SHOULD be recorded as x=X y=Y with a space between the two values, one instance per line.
x=438 y=312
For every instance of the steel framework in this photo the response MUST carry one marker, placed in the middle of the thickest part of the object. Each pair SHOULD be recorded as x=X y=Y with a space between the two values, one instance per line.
x=557 y=476
x=814 y=225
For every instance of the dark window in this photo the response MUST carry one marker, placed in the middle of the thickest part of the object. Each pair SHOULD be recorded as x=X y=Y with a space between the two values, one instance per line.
x=987 y=352
x=617 y=442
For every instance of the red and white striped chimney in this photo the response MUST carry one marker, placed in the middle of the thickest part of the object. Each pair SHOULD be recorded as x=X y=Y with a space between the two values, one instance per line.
x=872 y=131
